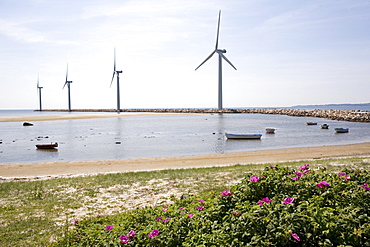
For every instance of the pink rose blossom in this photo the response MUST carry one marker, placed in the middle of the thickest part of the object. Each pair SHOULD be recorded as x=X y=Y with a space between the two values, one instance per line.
x=226 y=193
x=124 y=239
x=254 y=178
x=295 y=178
x=190 y=216
x=108 y=228
x=295 y=236
x=323 y=183
x=298 y=174
x=154 y=233
x=287 y=200
x=304 y=166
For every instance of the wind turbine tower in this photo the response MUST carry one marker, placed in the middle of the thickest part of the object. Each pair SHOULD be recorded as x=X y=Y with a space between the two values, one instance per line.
x=39 y=92
x=221 y=56
x=116 y=72
x=68 y=83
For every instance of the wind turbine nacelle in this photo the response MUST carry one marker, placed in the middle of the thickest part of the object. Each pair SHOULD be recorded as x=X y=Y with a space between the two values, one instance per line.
x=222 y=51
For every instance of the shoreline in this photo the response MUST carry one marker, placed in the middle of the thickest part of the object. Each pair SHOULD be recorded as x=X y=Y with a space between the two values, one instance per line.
x=339 y=115
x=47 y=170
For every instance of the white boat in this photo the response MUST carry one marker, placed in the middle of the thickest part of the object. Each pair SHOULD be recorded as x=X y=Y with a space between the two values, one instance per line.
x=243 y=136
x=270 y=130
x=341 y=130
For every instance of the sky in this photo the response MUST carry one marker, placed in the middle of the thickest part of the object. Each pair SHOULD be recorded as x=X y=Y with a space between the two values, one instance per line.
x=286 y=53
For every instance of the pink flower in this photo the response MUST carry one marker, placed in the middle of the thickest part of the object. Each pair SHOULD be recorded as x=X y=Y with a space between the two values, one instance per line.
x=295 y=178
x=287 y=200
x=181 y=208
x=190 y=216
x=108 y=228
x=124 y=239
x=75 y=222
x=298 y=174
x=323 y=183
x=154 y=233
x=365 y=186
x=226 y=193
x=200 y=208
x=254 y=178
x=131 y=233
x=159 y=218
x=342 y=174
x=306 y=171
x=201 y=201
x=304 y=166
x=237 y=213
x=295 y=236
x=165 y=220
x=164 y=209
x=264 y=200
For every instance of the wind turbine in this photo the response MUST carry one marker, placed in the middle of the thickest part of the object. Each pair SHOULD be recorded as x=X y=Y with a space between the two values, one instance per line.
x=220 y=57
x=39 y=91
x=116 y=72
x=68 y=83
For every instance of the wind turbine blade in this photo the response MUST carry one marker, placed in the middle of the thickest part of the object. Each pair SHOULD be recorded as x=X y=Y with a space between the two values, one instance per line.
x=114 y=72
x=67 y=74
x=218 y=28
x=114 y=68
x=206 y=59
x=64 y=85
x=38 y=76
x=227 y=60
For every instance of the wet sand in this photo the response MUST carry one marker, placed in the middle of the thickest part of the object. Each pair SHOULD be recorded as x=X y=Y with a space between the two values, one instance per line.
x=57 y=117
x=77 y=168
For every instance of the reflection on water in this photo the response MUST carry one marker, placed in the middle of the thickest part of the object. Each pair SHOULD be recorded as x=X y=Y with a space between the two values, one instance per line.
x=166 y=135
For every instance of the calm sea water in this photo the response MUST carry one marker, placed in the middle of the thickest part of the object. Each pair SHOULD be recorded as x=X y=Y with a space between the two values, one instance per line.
x=164 y=135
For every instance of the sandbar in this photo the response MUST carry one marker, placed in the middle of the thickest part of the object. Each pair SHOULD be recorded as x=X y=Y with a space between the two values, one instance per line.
x=56 y=117
x=79 y=168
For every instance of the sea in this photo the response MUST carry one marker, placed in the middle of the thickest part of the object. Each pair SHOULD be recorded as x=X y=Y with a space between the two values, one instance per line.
x=163 y=135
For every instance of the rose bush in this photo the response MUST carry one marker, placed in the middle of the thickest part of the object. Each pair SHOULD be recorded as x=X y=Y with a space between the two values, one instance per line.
x=318 y=208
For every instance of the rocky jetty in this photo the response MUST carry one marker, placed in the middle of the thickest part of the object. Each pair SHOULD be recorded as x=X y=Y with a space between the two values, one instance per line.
x=340 y=115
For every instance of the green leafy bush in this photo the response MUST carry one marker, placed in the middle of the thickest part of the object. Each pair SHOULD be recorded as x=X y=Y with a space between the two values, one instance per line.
x=278 y=207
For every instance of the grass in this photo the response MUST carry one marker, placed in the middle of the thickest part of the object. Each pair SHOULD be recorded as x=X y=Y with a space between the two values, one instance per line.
x=34 y=213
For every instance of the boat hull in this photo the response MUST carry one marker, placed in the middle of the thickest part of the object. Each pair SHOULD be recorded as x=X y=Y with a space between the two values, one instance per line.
x=47 y=146
x=341 y=130
x=243 y=136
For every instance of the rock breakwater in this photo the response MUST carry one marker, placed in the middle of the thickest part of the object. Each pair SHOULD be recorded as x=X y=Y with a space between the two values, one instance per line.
x=340 y=115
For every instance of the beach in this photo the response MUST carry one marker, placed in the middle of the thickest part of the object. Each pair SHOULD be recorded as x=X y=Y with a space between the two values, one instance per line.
x=77 y=168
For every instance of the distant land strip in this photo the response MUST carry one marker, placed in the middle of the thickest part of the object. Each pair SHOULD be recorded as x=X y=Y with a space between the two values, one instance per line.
x=340 y=115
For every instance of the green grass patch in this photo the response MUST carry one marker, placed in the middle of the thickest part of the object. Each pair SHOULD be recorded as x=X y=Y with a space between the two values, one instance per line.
x=38 y=213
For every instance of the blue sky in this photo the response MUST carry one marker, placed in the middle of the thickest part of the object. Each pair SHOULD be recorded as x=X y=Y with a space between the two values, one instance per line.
x=286 y=52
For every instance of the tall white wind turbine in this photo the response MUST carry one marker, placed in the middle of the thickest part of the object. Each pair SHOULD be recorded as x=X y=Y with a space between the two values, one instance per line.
x=220 y=57
x=39 y=91
x=68 y=83
x=116 y=72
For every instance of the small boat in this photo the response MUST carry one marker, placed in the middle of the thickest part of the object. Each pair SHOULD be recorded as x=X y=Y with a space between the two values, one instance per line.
x=47 y=146
x=324 y=126
x=243 y=136
x=270 y=130
x=27 y=124
x=341 y=130
x=311 y=123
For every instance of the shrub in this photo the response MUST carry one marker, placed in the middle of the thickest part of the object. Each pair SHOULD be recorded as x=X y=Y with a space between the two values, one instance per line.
x=278 y=206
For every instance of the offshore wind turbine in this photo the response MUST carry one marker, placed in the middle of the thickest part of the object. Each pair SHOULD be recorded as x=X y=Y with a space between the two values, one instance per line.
x=68 y=83
x=39 y=91
x=116 y=72
x=221 y=56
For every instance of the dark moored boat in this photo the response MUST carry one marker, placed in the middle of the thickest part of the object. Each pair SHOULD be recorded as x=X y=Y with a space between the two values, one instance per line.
x=47 y=146
x=311 y=123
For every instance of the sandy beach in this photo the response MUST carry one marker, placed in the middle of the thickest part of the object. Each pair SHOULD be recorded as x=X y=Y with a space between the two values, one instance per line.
x=75 y=168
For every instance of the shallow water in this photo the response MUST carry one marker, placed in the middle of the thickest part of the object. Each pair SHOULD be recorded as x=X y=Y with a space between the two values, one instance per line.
x=166 y=135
